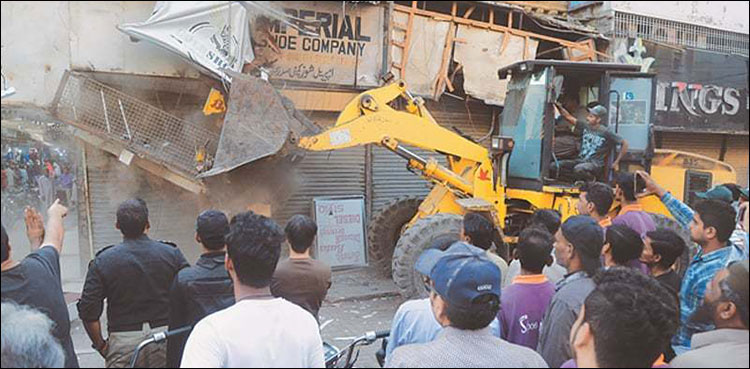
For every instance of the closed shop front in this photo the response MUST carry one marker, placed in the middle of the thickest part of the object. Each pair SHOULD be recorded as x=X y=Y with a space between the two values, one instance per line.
x=172 y=211
x=323 y=173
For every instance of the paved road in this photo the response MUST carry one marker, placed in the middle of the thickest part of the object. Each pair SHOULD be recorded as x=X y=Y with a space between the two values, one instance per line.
x=360 y=300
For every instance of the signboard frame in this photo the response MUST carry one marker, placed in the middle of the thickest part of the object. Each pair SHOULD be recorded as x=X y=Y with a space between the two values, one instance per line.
x=322 y=227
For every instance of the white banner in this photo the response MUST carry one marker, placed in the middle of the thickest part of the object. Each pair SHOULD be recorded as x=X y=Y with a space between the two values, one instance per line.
x=215 y=35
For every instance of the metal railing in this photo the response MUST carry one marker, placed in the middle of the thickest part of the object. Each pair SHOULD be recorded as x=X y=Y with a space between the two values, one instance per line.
x=679 y=33
x=144 y=129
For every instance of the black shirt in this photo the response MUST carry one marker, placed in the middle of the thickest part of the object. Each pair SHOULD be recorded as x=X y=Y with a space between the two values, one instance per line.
x=196 y=293
x=35 y=282
x=671 y=281
x=134 y=276
x=597 y=142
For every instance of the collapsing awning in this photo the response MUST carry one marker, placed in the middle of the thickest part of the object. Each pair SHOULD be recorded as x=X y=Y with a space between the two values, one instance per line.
x=213 y=35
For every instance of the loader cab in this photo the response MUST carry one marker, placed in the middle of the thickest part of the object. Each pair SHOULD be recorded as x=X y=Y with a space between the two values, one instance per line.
x=529 y=116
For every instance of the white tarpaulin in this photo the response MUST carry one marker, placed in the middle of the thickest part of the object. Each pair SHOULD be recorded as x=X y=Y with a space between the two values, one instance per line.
x=427 y=43
x=215 y=35
x=483 y=54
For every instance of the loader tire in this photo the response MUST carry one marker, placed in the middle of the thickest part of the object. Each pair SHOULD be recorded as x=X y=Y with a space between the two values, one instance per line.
x=386 y=228
x=435 y=231
x=683 y=261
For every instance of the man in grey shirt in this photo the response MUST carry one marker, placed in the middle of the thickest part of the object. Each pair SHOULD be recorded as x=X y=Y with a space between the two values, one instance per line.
x=578 y=245
x=465 y=298
x=725 y=306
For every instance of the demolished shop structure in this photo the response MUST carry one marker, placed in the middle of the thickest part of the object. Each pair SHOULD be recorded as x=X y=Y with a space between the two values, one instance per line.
x=140 y=111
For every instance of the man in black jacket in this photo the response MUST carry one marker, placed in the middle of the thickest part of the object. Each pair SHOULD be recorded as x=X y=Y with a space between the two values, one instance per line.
x=134 y=277
x=203 y=289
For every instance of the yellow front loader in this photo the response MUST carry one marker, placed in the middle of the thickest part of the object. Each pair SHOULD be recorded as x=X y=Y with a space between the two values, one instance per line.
x=510 y=178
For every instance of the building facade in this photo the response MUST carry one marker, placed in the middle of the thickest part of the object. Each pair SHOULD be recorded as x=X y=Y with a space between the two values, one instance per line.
x=699 y=53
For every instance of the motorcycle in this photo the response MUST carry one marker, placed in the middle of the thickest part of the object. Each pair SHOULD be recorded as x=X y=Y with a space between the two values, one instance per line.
x=334 y=357
x=157 y=338
x=347 y=357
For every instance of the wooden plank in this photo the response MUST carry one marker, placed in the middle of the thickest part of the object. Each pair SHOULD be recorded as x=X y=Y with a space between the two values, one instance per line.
x=510 y=19
x=407 y=39
x=543 y=6
x=448 y=47
x=190 y=184
x=525 y=48
x=469 y=11
x=485 y=25
x=506 y=39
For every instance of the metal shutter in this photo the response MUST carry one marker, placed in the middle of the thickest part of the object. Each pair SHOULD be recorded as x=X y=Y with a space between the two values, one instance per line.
x=738 y=156
x=324 y=173
x=391 y=179
x=172 y=211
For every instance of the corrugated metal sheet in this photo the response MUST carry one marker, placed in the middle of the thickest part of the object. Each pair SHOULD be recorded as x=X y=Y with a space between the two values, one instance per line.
x=738 y=155
x=172 y=211
x=701 y=143
x=327 y=173
x=391 y=179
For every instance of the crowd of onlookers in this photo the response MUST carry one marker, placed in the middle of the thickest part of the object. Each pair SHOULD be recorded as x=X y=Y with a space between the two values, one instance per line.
x=38 y=172
x=590 y=291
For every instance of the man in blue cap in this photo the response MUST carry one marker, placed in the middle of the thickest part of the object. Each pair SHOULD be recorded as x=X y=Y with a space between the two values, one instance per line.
x=414 y=321
x=465 y=297
x=578 y=246
x=721 y=193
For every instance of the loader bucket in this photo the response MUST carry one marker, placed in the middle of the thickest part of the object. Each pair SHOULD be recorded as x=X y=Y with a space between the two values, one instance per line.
x=259 y=122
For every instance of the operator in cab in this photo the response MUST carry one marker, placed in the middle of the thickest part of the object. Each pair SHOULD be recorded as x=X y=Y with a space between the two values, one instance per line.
x=596 y=142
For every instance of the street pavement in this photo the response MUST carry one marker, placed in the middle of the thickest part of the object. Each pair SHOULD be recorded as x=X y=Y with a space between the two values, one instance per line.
x=359 y=300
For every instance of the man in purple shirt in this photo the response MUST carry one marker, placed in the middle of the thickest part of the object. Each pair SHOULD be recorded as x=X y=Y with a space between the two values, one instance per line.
x=631 y=213
x=523 y=303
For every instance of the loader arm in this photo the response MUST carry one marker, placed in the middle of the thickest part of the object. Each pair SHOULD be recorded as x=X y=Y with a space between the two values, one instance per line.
x=370 y=119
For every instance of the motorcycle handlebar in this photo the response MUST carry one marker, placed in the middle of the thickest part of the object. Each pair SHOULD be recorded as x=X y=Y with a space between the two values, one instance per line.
x=382 y=334
x=178 y=331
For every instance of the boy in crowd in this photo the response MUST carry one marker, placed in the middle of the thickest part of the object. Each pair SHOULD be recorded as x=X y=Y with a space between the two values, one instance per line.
x=478 y=231
x=548 y=219
x=661 y=248
x=625 y=322
x=623 y=247
x=523 y=303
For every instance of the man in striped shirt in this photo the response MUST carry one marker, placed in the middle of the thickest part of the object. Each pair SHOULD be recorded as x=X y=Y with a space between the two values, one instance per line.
x=711 y=223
